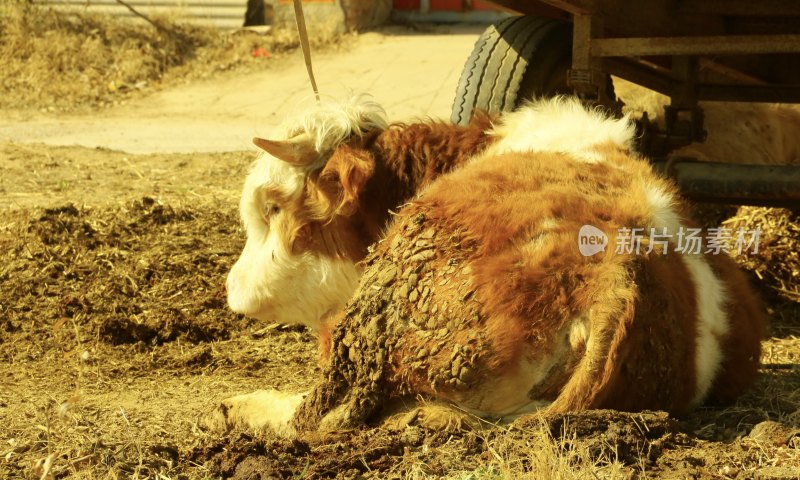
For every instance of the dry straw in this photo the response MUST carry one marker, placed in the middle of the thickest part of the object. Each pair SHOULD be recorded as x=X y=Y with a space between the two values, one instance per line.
x=62 y=61
x=777 y=262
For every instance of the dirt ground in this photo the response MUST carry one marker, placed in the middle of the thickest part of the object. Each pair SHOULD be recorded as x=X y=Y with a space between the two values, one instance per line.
x=115 y=338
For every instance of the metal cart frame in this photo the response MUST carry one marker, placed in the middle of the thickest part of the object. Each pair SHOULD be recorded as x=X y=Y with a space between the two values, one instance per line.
x=690 y=51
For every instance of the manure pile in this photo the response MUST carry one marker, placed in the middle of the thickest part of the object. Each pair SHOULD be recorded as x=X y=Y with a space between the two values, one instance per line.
x=141 y=272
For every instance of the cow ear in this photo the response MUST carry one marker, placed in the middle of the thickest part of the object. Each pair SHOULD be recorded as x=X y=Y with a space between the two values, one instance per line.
x=297 y=150
x=343 y=180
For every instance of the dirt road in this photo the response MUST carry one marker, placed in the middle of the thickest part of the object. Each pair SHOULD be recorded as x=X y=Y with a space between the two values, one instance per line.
x=413 y=74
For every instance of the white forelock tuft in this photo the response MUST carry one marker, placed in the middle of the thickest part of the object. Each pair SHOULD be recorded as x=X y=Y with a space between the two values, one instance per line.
x=331 y=122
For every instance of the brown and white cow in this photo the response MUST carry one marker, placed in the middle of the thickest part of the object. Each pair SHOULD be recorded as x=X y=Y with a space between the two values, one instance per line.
x=321 y=193
x=480 y=296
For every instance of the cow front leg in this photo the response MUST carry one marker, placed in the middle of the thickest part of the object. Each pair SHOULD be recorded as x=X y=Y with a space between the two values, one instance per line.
x=259 y=412
x=338 y=403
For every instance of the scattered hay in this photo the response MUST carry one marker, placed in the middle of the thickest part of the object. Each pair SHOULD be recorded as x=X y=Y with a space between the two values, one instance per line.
x=777 y=262
x=419 y=453
x=59 y=61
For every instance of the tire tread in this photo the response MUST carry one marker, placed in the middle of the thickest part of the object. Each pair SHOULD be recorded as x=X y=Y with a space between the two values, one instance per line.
x=493 y=75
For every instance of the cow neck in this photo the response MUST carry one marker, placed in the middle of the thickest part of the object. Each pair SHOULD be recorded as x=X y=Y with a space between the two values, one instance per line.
x=410 y=156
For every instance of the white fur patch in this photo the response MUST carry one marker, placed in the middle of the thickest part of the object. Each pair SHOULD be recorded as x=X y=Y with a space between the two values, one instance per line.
x=259 y=411
x=506 y=397
x=713 y=322
x=579 y=332
x=563 y=125
x=331 y=122
x=268 y=282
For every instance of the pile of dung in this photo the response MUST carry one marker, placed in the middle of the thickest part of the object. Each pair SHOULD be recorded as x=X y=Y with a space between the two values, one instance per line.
x=122 y=274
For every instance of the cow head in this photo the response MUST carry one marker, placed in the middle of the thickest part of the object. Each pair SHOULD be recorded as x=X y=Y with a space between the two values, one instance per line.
x=298 y=208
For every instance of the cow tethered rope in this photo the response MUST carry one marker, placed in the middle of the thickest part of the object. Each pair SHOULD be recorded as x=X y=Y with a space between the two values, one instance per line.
x=301 y=30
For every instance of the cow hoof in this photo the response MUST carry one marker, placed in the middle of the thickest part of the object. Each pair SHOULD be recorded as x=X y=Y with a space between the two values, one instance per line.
x=434 y=417
x=259 y=412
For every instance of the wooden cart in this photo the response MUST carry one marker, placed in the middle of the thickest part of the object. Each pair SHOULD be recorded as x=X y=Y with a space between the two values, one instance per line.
x=689 y=50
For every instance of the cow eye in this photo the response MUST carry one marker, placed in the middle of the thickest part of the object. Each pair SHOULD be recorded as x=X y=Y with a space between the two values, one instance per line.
x=270 y=210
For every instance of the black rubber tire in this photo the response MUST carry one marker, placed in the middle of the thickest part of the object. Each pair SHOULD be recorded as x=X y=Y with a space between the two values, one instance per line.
x=516 y=59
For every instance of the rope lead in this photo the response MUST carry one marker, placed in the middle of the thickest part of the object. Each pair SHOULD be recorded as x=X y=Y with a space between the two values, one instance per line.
x=301 y=30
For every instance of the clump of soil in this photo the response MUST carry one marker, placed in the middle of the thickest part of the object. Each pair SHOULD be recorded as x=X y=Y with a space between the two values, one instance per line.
x=65 y=61
x=143 y=272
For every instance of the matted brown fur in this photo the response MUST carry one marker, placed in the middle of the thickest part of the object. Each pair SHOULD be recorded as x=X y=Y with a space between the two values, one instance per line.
x=347 y=203
x=483 y=273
